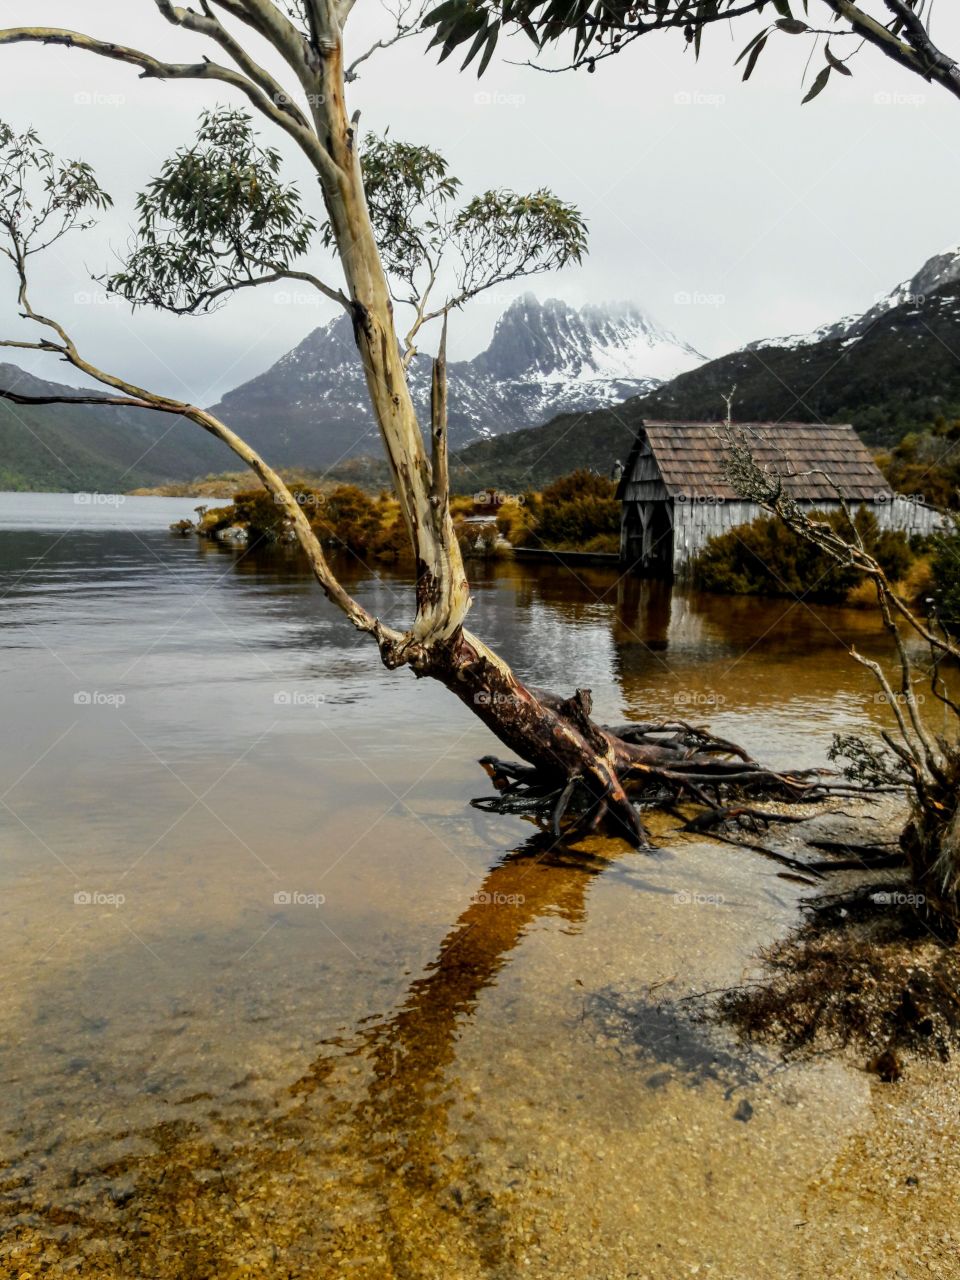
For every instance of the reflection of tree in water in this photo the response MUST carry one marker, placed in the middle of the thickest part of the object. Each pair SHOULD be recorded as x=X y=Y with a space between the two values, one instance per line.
x=428 y=1186
x=367 y=1166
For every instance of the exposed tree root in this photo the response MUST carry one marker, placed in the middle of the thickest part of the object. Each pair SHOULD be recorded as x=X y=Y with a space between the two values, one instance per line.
x=616 y=771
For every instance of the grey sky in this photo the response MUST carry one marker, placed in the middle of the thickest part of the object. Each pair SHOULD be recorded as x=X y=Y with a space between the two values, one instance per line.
x=772 y=217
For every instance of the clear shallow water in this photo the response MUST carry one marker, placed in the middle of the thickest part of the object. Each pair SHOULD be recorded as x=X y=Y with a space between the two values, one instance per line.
x=278 y=1000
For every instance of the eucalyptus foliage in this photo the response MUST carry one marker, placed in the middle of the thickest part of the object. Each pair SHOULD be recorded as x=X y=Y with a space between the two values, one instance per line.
x=217 y=218
x=42 y=198
x=494 y=237
x=600 y=29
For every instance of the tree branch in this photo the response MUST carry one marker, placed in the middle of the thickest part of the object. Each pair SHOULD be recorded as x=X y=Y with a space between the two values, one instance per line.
x=208 y=24
x=440 y=483
x=154 y=68
x=277 y=29
x=919 y=55
x=404 y=29
x=390 y=641
x=273 y=277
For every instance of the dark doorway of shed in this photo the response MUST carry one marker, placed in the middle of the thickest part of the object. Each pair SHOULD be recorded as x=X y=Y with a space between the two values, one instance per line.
x=648 y=539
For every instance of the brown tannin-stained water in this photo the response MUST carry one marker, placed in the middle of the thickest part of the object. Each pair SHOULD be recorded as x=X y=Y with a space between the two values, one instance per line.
x=278 y=1001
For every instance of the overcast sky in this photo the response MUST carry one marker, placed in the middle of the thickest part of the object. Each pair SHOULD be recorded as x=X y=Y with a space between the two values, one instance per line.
x=770 y=216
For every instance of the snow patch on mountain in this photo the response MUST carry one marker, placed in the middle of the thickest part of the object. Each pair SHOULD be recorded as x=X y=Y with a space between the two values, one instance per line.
x=544 y=358
x=942 y=269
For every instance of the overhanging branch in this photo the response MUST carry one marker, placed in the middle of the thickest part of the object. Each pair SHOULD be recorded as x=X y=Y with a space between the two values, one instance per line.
x=155 y=68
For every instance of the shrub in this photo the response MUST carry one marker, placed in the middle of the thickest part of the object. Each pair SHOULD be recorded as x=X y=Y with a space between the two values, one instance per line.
x=765 y=558
x=258 y=510
x=517 y=521
x=350 y=518
x=925 y=463
x=578 y=509
x=945 y=581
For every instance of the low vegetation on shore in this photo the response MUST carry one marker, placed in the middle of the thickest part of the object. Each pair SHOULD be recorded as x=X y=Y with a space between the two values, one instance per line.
x=926 y=464
x=578 y=512
x=765 y=558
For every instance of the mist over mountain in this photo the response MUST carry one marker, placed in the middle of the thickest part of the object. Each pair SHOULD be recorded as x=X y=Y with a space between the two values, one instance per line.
x=576 y=382
x=937 y=272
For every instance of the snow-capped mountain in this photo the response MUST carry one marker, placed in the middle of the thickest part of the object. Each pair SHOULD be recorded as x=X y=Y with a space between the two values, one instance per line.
x=942 y=269
x=599 y=354
x=310 y=409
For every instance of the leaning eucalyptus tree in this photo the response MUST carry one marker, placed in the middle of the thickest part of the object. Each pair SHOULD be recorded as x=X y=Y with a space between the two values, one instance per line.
x=219 y=218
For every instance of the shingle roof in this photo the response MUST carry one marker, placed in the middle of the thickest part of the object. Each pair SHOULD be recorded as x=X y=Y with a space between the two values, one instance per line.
x=689 y=456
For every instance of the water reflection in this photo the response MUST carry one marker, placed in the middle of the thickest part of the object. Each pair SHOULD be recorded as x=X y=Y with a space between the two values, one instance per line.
x=165 y=1110
x=425 y=1175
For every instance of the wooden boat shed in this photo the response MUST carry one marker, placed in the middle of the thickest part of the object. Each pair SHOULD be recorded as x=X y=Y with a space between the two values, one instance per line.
x=675 y=494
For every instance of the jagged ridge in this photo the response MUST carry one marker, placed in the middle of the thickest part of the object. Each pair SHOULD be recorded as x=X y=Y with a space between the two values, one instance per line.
x=310 y=409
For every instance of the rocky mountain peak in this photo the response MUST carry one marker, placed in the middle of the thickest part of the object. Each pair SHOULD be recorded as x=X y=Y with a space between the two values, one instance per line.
x=545 y=357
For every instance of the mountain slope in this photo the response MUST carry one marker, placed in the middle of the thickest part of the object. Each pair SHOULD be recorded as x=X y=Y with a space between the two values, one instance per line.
x=85 y=447
x=900 y=371
x=310 y=409
x=527 y=459
x=937 y=272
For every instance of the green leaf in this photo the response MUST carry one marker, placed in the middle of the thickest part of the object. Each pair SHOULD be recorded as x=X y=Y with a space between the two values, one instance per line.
x=836 y=63
x=754 y=56
x=818 y=85
x=482 y=37
x=792 y=26
x=488 y=52
x=761 y=35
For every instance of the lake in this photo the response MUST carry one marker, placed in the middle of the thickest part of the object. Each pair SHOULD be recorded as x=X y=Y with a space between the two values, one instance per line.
x=277 y=1000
